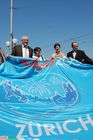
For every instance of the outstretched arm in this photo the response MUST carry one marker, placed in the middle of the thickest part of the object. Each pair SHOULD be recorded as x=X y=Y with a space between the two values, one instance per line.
x=87 y=60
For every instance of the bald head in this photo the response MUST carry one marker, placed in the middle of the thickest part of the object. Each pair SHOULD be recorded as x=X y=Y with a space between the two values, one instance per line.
x=25 y=40
x=24 y=37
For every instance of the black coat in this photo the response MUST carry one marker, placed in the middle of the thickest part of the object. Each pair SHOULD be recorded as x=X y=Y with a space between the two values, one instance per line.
x=2 y=57
x=81 y=56
x=17 y=51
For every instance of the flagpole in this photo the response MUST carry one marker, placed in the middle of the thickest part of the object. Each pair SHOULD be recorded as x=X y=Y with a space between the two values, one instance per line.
x=11 y=26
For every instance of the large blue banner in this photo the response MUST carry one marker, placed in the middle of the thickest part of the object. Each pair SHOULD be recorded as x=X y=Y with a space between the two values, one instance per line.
x=49 y=100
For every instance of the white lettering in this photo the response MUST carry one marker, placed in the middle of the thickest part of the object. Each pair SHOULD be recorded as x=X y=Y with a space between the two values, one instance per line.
x=69 y=130
x=39 y=130
x=22 y=128
x=85 y=122
x=71 y=126
x=59 y=128
x=49 y=128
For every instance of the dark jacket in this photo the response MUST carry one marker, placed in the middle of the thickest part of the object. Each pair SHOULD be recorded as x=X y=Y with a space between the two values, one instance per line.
x=81 y=56
x=2 y=57
x=17 y=51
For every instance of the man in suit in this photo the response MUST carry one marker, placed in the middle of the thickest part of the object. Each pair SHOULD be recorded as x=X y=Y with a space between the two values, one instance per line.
x=79 y=54
x=23 y=50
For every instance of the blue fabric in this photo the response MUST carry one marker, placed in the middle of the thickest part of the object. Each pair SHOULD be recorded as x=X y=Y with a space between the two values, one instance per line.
x=48 y=100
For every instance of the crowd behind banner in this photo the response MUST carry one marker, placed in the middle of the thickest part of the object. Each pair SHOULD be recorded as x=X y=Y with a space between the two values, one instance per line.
x=24 y=50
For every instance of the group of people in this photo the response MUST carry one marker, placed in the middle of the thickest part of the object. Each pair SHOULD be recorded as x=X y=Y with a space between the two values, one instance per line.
x=23 y=50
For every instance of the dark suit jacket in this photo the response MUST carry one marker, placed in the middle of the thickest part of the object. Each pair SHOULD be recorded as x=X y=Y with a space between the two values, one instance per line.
x=17 y=51
x=2 y=57
x=81 y=56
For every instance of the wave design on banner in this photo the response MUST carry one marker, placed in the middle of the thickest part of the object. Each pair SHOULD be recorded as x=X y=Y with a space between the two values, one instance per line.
x=70 y=95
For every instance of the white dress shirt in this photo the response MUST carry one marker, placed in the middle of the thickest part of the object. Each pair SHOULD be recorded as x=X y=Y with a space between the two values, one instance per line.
x=74 y=54
x=25 y=51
